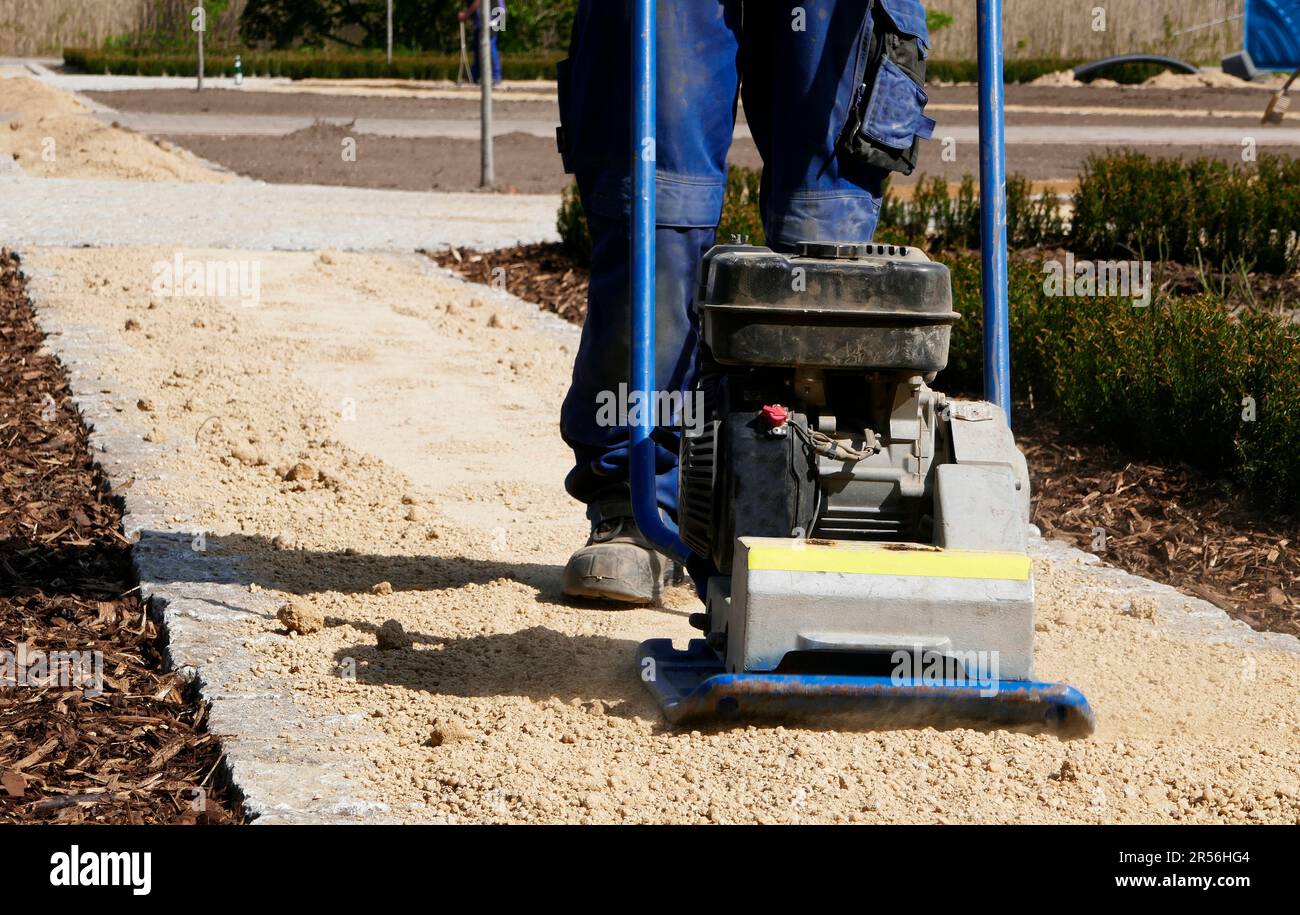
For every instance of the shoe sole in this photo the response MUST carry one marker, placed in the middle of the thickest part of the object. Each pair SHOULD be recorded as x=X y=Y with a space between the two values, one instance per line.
x=595 y=589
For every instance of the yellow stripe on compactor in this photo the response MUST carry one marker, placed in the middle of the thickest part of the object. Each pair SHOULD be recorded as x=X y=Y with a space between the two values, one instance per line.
x=865 y=558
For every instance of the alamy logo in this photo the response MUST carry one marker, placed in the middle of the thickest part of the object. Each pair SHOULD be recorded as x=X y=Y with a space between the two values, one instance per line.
x=103 y=868
x=937 y=668
x=668 y=409
x=1115 y=279
x=32 y=667
x=183 y=277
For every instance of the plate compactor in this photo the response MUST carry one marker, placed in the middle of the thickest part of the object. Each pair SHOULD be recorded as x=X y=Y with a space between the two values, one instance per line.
x=869 y=533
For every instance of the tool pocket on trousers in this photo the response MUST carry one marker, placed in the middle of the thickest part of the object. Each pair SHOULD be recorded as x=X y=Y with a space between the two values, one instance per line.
x=895 y=119
x=888 y=120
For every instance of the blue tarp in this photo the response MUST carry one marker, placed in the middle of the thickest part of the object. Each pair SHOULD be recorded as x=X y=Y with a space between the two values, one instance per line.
x=1273 y=34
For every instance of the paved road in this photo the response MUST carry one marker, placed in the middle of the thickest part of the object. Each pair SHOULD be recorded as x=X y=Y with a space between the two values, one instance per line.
x=233 y=125
x=249 y=214
x=43 y=68
x=1064 y=134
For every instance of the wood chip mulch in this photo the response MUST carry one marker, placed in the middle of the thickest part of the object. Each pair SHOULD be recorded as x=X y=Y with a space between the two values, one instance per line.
x=137 y=752
x=1168 y=523
x=543 y=274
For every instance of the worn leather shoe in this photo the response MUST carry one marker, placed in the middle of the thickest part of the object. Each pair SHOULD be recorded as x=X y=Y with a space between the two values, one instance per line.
x=617 y=564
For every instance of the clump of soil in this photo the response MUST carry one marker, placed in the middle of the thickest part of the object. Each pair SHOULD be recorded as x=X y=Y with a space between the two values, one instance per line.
x=448 y=732
x=301 y=617
x=392 y=637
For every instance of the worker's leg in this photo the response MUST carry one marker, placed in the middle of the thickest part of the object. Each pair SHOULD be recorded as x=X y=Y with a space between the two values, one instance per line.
x=478 y=50
x=698 y=75
x=474 y=68
x=813 y=80
x=697 y=92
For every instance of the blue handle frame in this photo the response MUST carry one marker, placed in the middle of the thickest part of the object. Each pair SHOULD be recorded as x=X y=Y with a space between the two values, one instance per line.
x=645 y=504
x=993 y=252
x=993 y=208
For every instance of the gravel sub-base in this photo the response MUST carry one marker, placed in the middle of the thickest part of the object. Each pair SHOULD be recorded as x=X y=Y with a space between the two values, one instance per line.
x=425 y=410
x=249 y=214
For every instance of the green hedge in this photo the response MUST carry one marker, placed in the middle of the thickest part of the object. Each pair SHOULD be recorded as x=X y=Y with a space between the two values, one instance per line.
x=740 y=215
x=302 y=64
x=1198 y=211
x=347 y=64
x=935 y=218
x=1168 y=380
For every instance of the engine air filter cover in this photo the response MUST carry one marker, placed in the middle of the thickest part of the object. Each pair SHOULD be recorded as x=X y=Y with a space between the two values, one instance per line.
x=831 y=304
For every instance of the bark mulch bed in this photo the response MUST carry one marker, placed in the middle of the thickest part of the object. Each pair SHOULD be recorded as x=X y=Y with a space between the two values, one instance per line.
x=543 y=274
x=1169 y=523
x=137 y=752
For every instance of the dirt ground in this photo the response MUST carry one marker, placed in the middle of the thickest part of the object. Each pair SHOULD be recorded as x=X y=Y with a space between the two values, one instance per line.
x=52 y=135
x=507 y=704
x=524 y=164
x=1184 y=102
x=373 y=444
x=530 y=164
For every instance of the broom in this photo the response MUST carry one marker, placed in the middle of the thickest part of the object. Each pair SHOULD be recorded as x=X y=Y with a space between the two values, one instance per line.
x=464 y=60
x=1279 y=103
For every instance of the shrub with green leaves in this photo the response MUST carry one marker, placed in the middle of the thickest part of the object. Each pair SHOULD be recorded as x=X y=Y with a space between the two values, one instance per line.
x=937 y=218
x=1200 y=212
x=571 y=223
x=1182 y=378
x=741 y=214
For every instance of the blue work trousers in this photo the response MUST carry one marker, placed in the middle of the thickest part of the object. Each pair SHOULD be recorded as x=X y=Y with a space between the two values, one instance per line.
x=798 y=68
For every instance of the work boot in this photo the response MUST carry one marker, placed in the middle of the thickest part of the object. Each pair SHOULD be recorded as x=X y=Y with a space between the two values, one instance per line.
x=617 y=564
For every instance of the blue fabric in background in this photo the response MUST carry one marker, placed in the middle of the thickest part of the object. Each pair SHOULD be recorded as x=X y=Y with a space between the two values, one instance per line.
x=1273 y=34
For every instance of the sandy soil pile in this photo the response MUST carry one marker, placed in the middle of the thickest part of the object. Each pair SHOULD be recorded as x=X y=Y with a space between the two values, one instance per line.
x=52 y=135
x=381 y=444
x=1066 y=79
x=1207 y=78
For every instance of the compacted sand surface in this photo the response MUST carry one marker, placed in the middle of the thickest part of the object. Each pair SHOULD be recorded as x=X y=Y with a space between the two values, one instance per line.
x=374 y=444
